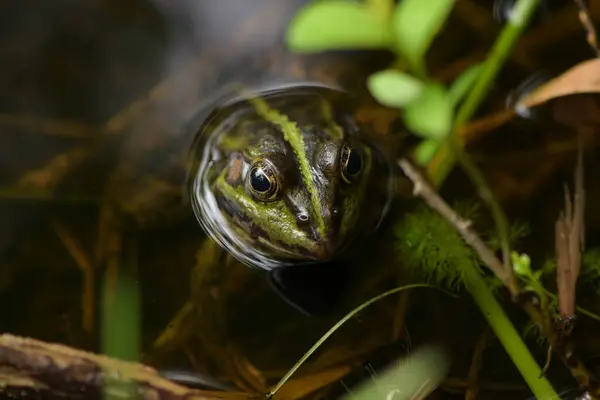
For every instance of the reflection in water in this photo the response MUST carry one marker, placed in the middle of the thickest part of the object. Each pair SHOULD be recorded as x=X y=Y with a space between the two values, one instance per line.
x=195 y=380
x=282 y=231
x=522 y=90
x=503 y=9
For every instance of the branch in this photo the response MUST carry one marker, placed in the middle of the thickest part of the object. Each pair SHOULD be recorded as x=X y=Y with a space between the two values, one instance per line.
x=429 y=195
x=588 y=25
x=31 y=368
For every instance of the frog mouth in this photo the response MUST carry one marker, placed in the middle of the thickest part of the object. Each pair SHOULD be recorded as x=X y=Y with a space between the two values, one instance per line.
x=326 y=250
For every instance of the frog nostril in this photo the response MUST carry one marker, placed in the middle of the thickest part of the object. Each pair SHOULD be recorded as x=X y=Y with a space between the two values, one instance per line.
x=302 y=217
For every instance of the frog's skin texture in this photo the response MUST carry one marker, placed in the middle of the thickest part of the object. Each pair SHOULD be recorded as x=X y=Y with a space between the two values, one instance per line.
x=283 y=177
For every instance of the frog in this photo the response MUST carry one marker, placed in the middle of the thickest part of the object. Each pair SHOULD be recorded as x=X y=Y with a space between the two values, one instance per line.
x=283 y=179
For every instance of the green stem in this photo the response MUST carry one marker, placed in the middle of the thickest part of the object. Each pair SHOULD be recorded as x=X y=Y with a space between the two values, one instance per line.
x=521 y=14
x=120 y=328
x=508 y=336
x=485 y=192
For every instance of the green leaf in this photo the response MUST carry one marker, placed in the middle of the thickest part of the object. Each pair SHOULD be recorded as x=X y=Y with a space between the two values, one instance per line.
x=416 y=23
x=521 y=264
x=463 y=83
x=430 y=115
x=381 y=8
x=415 y=376
x=394 y=88
x=425 y=151
x=337 y=24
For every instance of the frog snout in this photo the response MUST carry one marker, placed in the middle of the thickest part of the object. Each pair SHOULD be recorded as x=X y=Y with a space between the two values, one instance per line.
x=326 y=249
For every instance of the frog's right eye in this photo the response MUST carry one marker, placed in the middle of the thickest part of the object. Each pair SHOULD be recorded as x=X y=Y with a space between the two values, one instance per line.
x=263 y=182
x=351 y=164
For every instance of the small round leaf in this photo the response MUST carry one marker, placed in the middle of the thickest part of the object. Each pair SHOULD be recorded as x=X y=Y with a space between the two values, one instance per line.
x=394 y=88
x=337 y=24
x=425 y=151
x=430 y=115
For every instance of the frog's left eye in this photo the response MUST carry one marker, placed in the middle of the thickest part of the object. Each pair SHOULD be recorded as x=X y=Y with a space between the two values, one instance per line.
x=262 y=181
x=351 y=164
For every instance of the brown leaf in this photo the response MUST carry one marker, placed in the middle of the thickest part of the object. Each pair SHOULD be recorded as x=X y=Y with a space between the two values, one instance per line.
x=582 y=78
x=570 y=241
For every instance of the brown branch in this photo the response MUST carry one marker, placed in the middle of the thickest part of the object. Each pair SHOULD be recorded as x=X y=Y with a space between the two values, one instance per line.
x=476 y=361
x=47 y=126
x=588 y=25
x=428 y=194
x=83 y=261
x=31 y=368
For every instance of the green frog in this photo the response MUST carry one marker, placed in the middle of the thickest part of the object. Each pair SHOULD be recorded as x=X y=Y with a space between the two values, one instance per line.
x=284 y=180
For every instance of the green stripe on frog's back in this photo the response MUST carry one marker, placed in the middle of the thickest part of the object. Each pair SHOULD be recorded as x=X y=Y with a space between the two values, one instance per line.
x=293 y=136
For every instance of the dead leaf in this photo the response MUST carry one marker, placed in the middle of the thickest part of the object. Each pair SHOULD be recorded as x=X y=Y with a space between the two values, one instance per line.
x=582 y=78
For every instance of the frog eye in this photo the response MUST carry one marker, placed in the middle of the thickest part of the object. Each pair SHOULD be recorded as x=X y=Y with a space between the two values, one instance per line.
x=262 y=181
x=351 y=163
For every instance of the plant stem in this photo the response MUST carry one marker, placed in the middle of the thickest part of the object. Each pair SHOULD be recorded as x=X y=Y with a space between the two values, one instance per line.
x=520 y=16
x=120 y=324
x=508 y=336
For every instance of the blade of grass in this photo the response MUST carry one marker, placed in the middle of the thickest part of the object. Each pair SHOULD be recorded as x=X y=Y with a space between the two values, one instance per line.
x=339 y=324
x=120 y=327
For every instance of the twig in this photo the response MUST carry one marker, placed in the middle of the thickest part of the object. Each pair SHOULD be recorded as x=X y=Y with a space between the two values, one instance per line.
x=586 y=21
x=45 y=195
x=48 y=176
x=398 y=324
x=48 y=126
x=31 y=368
x=427 y=193
x=488 y=123
x=84 y=263
x=476 y=361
